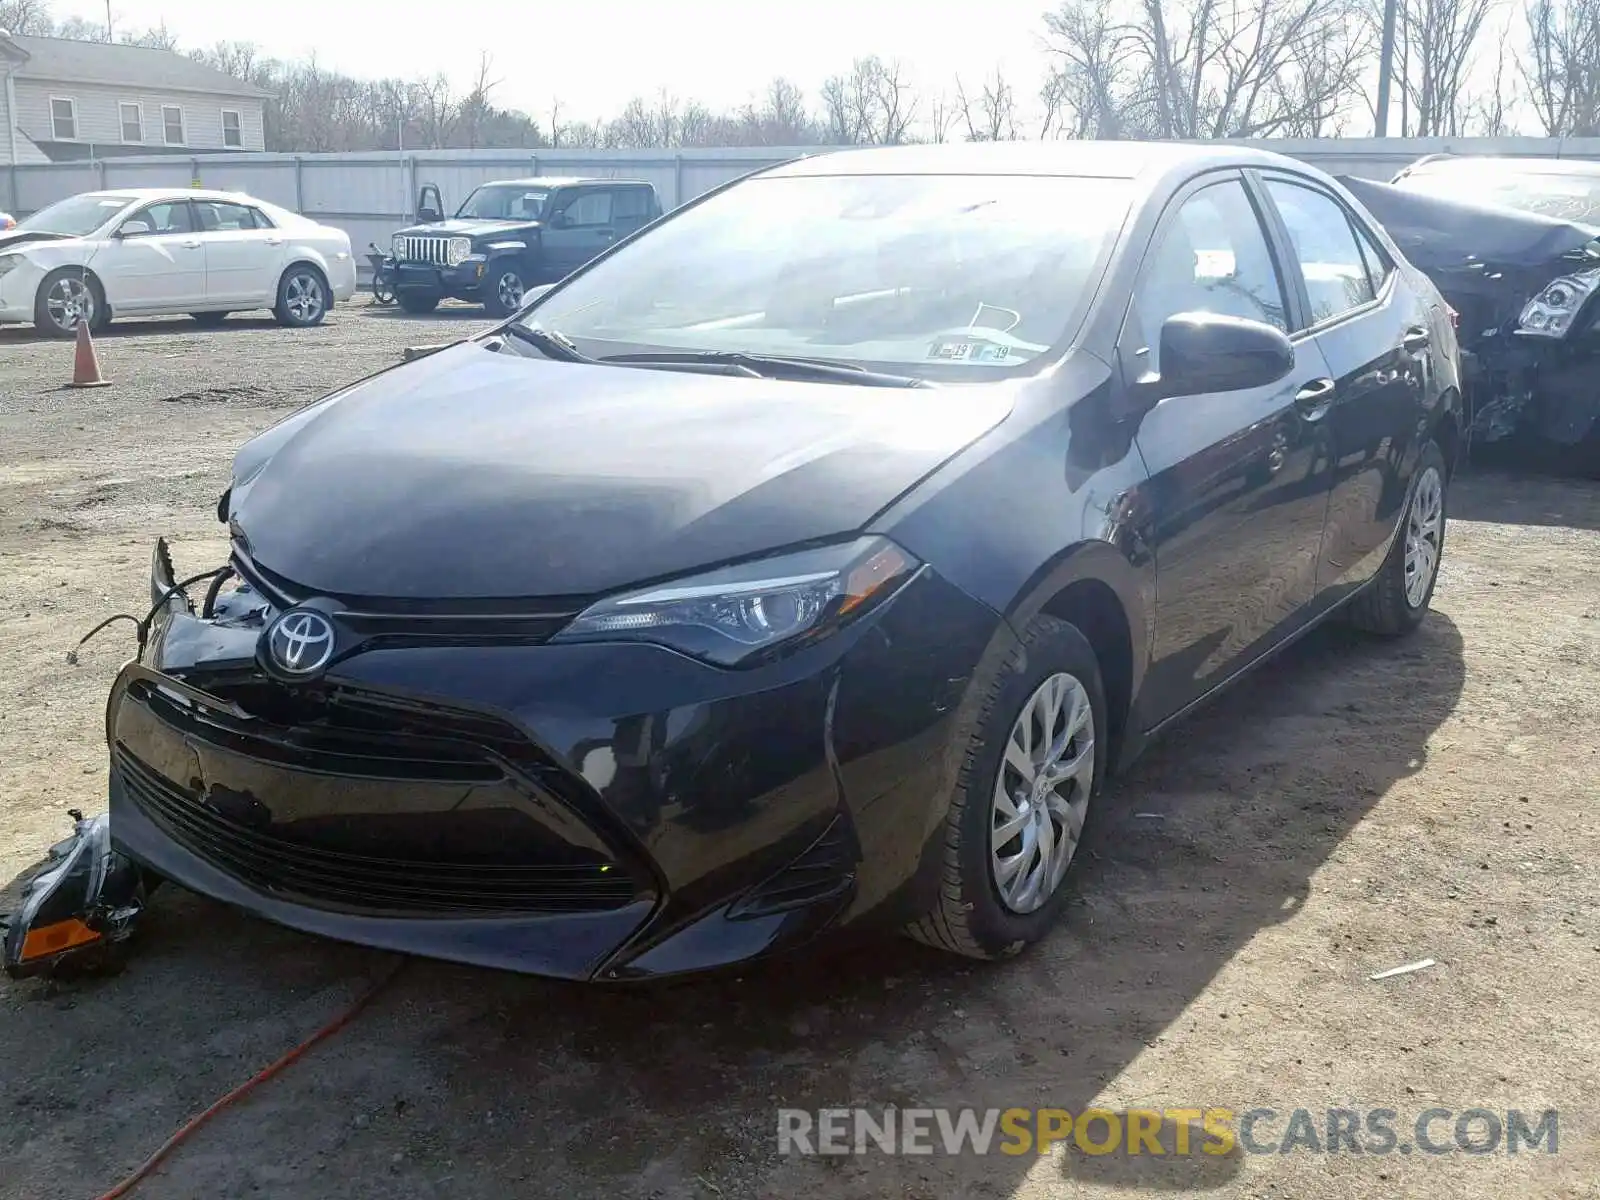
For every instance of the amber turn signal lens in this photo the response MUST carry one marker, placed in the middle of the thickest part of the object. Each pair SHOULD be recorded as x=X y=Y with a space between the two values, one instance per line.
x=871 y=576
x=53 y=939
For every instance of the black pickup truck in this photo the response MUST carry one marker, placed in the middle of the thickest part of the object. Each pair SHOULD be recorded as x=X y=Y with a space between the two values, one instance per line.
x=511 y=235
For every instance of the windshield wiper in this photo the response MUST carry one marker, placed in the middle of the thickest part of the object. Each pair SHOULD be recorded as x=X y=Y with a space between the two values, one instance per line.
x=556 y=345
x=773 y=366
x=548 y=343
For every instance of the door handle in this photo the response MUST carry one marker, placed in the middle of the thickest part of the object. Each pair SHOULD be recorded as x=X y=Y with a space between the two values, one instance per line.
x=192 y=245
x=1416 y=339
x=1314 y=398
x=274 y=241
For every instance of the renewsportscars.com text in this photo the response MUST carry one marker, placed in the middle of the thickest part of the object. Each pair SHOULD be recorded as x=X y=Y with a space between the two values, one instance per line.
x=1170 y=1131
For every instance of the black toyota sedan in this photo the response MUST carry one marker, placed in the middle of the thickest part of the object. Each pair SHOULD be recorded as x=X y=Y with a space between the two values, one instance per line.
x=806 y=560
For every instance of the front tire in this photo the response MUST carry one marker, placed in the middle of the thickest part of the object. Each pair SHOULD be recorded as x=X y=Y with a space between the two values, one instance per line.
x=1032 y=768
x=506 y=288
x=303 y=298
x=1398 y=597
x=68 y=295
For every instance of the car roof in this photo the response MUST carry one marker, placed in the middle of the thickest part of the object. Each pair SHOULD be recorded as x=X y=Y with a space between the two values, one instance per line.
x=1524 y=166
x=1107 y=160
x=173 y=193
x=558 y=181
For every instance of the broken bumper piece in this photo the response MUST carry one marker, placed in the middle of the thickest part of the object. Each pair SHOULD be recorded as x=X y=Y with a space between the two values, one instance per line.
x=79 y=909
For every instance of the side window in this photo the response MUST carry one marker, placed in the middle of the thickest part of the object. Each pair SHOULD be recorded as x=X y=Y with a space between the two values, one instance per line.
x=1331 y=261
x=590 y=208
x=169 y=216
x=631 y=204
x=218 y=216
x=1378 y=264
x=1212 y=257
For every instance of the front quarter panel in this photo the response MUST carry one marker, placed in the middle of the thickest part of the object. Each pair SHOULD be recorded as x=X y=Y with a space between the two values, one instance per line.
x=1049 y=498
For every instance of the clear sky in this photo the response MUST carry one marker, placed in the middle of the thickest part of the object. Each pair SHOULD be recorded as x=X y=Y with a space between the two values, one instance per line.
x=595 y=57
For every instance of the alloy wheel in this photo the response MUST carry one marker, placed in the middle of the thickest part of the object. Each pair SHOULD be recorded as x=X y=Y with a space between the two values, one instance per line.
x=69 y=301
x=1041 y=795
x=1424 y=530
x=303 y=298
x=509 y=290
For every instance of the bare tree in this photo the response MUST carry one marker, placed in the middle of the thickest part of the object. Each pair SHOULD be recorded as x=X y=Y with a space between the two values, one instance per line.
x=1562 y=70
x=1094 y=71
x=29 y=18
x=991 y=116
x=1436 y=43
x=873 y=105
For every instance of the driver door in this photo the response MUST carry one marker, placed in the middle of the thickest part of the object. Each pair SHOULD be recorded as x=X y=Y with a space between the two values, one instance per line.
x=1239 y=481
x=578 y=232
x=155 y=261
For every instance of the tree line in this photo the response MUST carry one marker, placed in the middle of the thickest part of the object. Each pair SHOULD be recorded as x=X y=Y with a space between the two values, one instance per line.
x=1136 y=69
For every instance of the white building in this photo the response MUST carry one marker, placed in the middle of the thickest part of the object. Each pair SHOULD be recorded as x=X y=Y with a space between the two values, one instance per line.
x=67 y=101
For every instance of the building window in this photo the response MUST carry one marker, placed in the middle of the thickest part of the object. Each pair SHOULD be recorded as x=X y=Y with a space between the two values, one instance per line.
x=232 y=128
x=132 y=122
x=172 y=123
x=63 y=119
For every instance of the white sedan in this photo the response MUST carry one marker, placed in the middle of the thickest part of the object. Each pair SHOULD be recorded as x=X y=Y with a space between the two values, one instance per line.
x=158 y=252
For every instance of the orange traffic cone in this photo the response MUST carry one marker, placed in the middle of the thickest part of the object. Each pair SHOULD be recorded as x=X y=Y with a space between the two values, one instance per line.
x=86 y=363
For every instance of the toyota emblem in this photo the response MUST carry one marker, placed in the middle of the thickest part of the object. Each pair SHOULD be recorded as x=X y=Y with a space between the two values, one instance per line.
x=300 y=642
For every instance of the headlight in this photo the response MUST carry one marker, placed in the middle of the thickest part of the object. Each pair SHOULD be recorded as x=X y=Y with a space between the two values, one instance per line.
x=397 y=246
x=1552 y=312
x=460 y=247
x=739 y=615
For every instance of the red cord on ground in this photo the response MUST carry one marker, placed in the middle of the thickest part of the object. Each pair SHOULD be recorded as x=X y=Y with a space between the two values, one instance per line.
x=327 y=1031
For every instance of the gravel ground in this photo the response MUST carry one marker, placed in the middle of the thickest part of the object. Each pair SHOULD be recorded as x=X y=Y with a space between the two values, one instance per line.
x=1353 y=807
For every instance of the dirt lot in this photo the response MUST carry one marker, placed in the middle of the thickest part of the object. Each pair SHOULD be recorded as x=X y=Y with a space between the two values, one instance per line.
x=1354 y=807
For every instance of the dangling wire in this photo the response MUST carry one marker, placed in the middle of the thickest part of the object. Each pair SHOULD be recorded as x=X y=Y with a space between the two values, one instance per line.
x=142 y=627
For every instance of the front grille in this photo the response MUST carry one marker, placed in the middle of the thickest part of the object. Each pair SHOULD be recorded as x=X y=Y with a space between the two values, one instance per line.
x=426 y=249
x=362 y=883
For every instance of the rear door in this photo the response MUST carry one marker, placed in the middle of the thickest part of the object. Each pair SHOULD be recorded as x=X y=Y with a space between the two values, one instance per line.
x=1238 y=480
x=1374 y=334
x=157 y=264
x=244 y=254
x=582 y=231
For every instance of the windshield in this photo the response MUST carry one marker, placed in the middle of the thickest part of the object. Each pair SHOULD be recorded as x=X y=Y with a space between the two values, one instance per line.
x=505 y=202
x=938 y=276
x=77 y=216
x=1572 y=197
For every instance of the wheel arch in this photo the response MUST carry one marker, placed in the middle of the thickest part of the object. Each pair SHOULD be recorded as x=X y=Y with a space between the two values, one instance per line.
x=304 y=259
x=1095 y=588
x=89 y=274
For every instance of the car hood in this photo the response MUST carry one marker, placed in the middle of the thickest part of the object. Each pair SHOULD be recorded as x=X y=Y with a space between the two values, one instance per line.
x=471 y=473
x=459 y=227
x=16 y=239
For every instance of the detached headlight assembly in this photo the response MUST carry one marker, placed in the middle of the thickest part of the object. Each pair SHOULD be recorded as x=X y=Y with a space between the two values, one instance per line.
x=458 y=250
x=9 y=263
x=741 y=615
x=1552 y=312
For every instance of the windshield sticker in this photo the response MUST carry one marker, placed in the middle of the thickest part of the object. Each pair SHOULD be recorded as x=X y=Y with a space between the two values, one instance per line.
x=966 y=349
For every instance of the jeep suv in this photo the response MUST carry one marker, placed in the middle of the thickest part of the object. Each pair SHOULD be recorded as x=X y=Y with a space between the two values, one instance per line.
x=511 y=235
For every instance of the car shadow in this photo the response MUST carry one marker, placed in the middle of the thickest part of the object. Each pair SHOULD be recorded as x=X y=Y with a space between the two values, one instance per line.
x=1517 y=497
x=489 y=1078
x=445 y=312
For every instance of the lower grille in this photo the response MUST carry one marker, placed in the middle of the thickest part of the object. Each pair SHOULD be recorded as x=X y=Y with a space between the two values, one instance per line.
x=824 y=871
x=363 y=883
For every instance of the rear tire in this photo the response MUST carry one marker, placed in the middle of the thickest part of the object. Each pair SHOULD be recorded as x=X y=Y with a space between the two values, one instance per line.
x=999 y=891
x=303 y=297
x=419 y=304
x=1397 y=599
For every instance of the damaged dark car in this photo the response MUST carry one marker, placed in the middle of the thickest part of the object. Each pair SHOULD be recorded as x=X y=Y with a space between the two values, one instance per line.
x=1514 y=246
x=794 y=564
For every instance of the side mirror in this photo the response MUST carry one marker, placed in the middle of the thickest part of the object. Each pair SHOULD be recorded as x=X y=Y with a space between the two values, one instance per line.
x=560 y=220
x=429 y=216
x=133 y=229
x=1207 y=352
